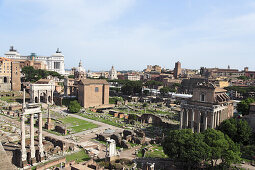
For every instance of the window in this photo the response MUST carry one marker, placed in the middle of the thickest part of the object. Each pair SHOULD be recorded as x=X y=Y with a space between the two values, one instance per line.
x=56 y=65
x=202 y=97
x=96 y=89
x=5 y=79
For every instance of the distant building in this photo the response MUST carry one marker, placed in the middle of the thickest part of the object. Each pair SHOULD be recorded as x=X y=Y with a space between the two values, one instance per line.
x=132 y=77
x=155 y=68
x=216 y=72
x=177 y=70
x=93 y=93
x=9 y=75
x=79 y=72
x=113 y=74
x=207 y=108
x=55 y=62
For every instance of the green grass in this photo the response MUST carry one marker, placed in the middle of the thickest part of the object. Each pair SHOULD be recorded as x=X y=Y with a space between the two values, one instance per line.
x=78 y=156
x=78 y=125
x=8 y=99
x=102 y=120
x=154 y=152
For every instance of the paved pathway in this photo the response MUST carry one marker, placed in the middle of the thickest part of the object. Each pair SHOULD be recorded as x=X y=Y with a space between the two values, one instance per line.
x=129 y=153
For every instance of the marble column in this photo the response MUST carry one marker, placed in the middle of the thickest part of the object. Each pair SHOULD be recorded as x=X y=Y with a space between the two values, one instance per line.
x=40 y=145
x=39 y=96
x=198 y=121
x=46 y=96
x=205 y=120
x=181 y=118
x=52 y=95
x=218 y=118
x=212 y=120
x=215 y=119
x=192 y=120
x=32 y=141
x=187 y=118
x=24 y=98
x=23 y=141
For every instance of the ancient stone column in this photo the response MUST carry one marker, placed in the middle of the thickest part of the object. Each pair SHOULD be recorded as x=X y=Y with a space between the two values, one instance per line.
x=212 y=120
x=187 y=118
x=198 y=121
x=23 y=141
x=192 y=120
x=215 y=119
x=24 y=98
x=51 y=95
x=205 y=121
x=181 y=118
x=40 y=145
x=32 y=142
x=218 y=118
x=46 y=100
x=39 y=96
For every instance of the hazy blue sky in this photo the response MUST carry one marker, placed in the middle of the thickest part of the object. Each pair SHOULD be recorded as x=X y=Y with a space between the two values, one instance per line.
x=131 y=34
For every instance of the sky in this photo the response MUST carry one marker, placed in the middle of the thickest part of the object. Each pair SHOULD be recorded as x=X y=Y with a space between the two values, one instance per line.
x=130 y=34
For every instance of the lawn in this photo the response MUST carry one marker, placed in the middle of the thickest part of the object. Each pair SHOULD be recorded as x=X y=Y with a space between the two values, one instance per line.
x=91 y=116
x=78 y=125
x=78 y=156
x=8 y=99
x=156 y=151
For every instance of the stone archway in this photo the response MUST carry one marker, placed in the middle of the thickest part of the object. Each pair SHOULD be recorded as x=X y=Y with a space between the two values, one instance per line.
x=49 y=99
x=43 y=97
x=36 y=100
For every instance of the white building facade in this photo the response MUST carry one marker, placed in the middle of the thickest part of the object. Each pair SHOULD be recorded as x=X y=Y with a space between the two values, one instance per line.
x=55 y=62
x=113 y=74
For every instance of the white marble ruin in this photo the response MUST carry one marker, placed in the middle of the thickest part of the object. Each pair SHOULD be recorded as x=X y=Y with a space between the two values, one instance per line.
x=111 y=150
x=31 y=109
x=42 y=92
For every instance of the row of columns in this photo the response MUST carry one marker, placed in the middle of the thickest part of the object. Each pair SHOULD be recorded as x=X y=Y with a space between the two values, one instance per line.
x=184 y=123
x=32 y=145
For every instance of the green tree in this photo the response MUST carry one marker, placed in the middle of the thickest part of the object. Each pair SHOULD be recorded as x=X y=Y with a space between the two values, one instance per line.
x=153 y=83
x=165 y=90
x=243 y=106
x=238 y=130
x=33 y=75
x=132 y=87
x=74 y=106
x=221 y=147
x=71 y=76
x=185 y=146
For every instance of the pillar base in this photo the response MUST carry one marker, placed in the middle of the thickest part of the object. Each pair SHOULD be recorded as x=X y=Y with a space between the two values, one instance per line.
x=41 y=158
x=23 y=164
x=33 y=160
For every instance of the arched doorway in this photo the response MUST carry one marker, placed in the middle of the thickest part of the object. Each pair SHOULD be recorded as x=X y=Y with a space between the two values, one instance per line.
x=43 y=98
x=36 y=99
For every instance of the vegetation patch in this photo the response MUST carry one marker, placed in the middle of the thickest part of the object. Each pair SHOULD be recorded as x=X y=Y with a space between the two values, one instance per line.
x=78 y=156
x=78 y=125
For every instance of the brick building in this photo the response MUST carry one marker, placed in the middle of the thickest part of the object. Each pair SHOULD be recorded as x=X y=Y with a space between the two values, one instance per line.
x=9 y=75
x=93 y=93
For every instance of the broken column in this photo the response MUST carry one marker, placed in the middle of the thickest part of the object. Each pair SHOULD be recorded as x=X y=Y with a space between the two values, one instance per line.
x=49 y=125
x=40 y=145
x=111 y=152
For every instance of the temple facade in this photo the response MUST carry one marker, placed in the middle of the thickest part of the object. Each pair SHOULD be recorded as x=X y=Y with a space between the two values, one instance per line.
x=207 y=108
